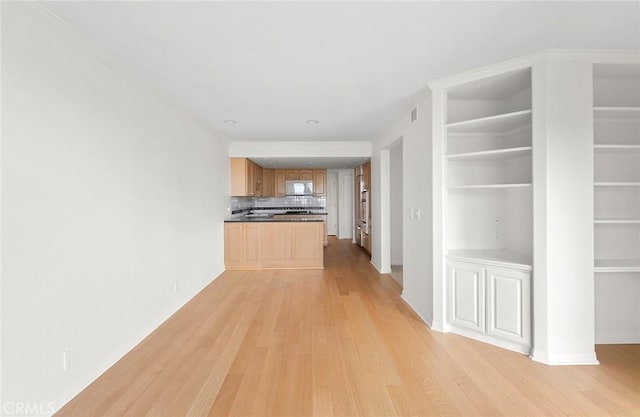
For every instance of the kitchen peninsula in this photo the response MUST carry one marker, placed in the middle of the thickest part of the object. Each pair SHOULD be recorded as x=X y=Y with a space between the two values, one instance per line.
x=267 y=241
x=277 y=217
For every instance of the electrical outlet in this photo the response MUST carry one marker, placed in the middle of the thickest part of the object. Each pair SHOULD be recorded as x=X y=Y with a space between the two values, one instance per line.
x=67 y=359
x=411 y=213
x=498 y=234
x=175 y=286
x=418 y=214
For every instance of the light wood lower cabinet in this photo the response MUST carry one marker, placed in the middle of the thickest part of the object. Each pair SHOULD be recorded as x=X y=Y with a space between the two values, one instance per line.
x=241 y=245
x=274 y=245
x=490 y=303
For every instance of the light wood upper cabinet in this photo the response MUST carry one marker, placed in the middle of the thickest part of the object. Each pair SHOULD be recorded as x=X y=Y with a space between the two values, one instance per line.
x=246 y=177
x=366 y=175
x=250 y=180
x=319 y=182
x=268 y=184
x=305 y=174
x=280 y=179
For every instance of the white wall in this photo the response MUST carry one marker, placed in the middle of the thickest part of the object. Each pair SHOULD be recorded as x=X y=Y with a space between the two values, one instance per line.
x=396 y=204
x=332 y=202
x=417 y=233
x=299 y=149
x=340 y=201
x=346 y=201
x=109 y=195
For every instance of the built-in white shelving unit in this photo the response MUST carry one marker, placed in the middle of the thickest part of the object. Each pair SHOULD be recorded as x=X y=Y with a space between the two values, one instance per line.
x=617 y=202
x=488 y=229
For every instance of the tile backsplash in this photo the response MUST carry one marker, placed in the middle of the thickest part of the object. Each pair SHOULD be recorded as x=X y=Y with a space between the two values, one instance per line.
x=245 y=203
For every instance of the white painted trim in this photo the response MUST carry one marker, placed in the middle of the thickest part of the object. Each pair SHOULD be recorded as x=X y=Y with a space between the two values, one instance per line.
x=44 y=15
x=384 y=228
x=568 y=55
x=596 y=56
x=378 y=269
x=439 y=195
x=512 y=346
x=1 y=226
x=103 y=366
x=554 y=360
x=427 y=320
x=487 y=71
x=618 y=339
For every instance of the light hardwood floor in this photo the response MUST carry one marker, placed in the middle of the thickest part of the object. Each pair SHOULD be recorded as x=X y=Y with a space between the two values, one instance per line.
x=341 y=342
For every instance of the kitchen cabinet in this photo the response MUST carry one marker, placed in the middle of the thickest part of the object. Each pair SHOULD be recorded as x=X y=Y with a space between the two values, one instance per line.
x=268 y=182
x=318 y=176
x=277 y=245
x=280 y=179
x=362 y=206
x=246 y=177
x=306 y=249
x=319 y=182
x=366 y=175
x=490 y=301
x=241 y=244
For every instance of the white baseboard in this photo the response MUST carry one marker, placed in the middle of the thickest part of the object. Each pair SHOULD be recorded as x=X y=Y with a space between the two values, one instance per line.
x=427 y=320
x=564 y=359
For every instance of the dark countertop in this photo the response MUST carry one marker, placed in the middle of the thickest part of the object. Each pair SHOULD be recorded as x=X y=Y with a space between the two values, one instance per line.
x=277 y=219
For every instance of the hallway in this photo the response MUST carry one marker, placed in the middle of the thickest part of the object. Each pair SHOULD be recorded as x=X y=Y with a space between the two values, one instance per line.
x=339 y=341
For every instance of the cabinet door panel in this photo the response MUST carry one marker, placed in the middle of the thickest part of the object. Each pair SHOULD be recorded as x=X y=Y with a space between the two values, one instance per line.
x=275 y=242
x=292 y=174
x=465 y=287
x=508 y=310
x=307 y=241
x=305 y=174
x=280 y=182
x=268 y=182
x=233 y=244
x=319 y=181
x=251 y=243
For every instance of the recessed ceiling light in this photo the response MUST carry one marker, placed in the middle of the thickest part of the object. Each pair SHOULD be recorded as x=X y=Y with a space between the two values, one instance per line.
x=230 y=122
x=312 y=122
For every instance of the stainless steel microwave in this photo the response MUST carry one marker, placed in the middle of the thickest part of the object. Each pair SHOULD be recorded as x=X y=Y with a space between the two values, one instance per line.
x=299 y=187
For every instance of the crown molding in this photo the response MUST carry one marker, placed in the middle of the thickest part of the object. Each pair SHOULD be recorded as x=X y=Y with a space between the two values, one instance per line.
x=45 y=16
x=595 y=56
x=53 y=21
x=488 y=71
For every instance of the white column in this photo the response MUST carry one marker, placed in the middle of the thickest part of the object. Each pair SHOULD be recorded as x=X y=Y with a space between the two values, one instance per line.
x=439 y=243
x=563 y=279
x=383 y=231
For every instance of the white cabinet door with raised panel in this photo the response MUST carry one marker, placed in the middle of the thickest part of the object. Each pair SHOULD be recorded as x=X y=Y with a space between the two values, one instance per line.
x=465 y=287
x=509 y=304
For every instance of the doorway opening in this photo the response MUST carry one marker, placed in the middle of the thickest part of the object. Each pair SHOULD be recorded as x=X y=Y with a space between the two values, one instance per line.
x=340 y=203
x=396 y=209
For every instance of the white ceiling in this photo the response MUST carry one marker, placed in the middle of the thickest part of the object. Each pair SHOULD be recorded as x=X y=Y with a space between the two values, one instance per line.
x=352 y=66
